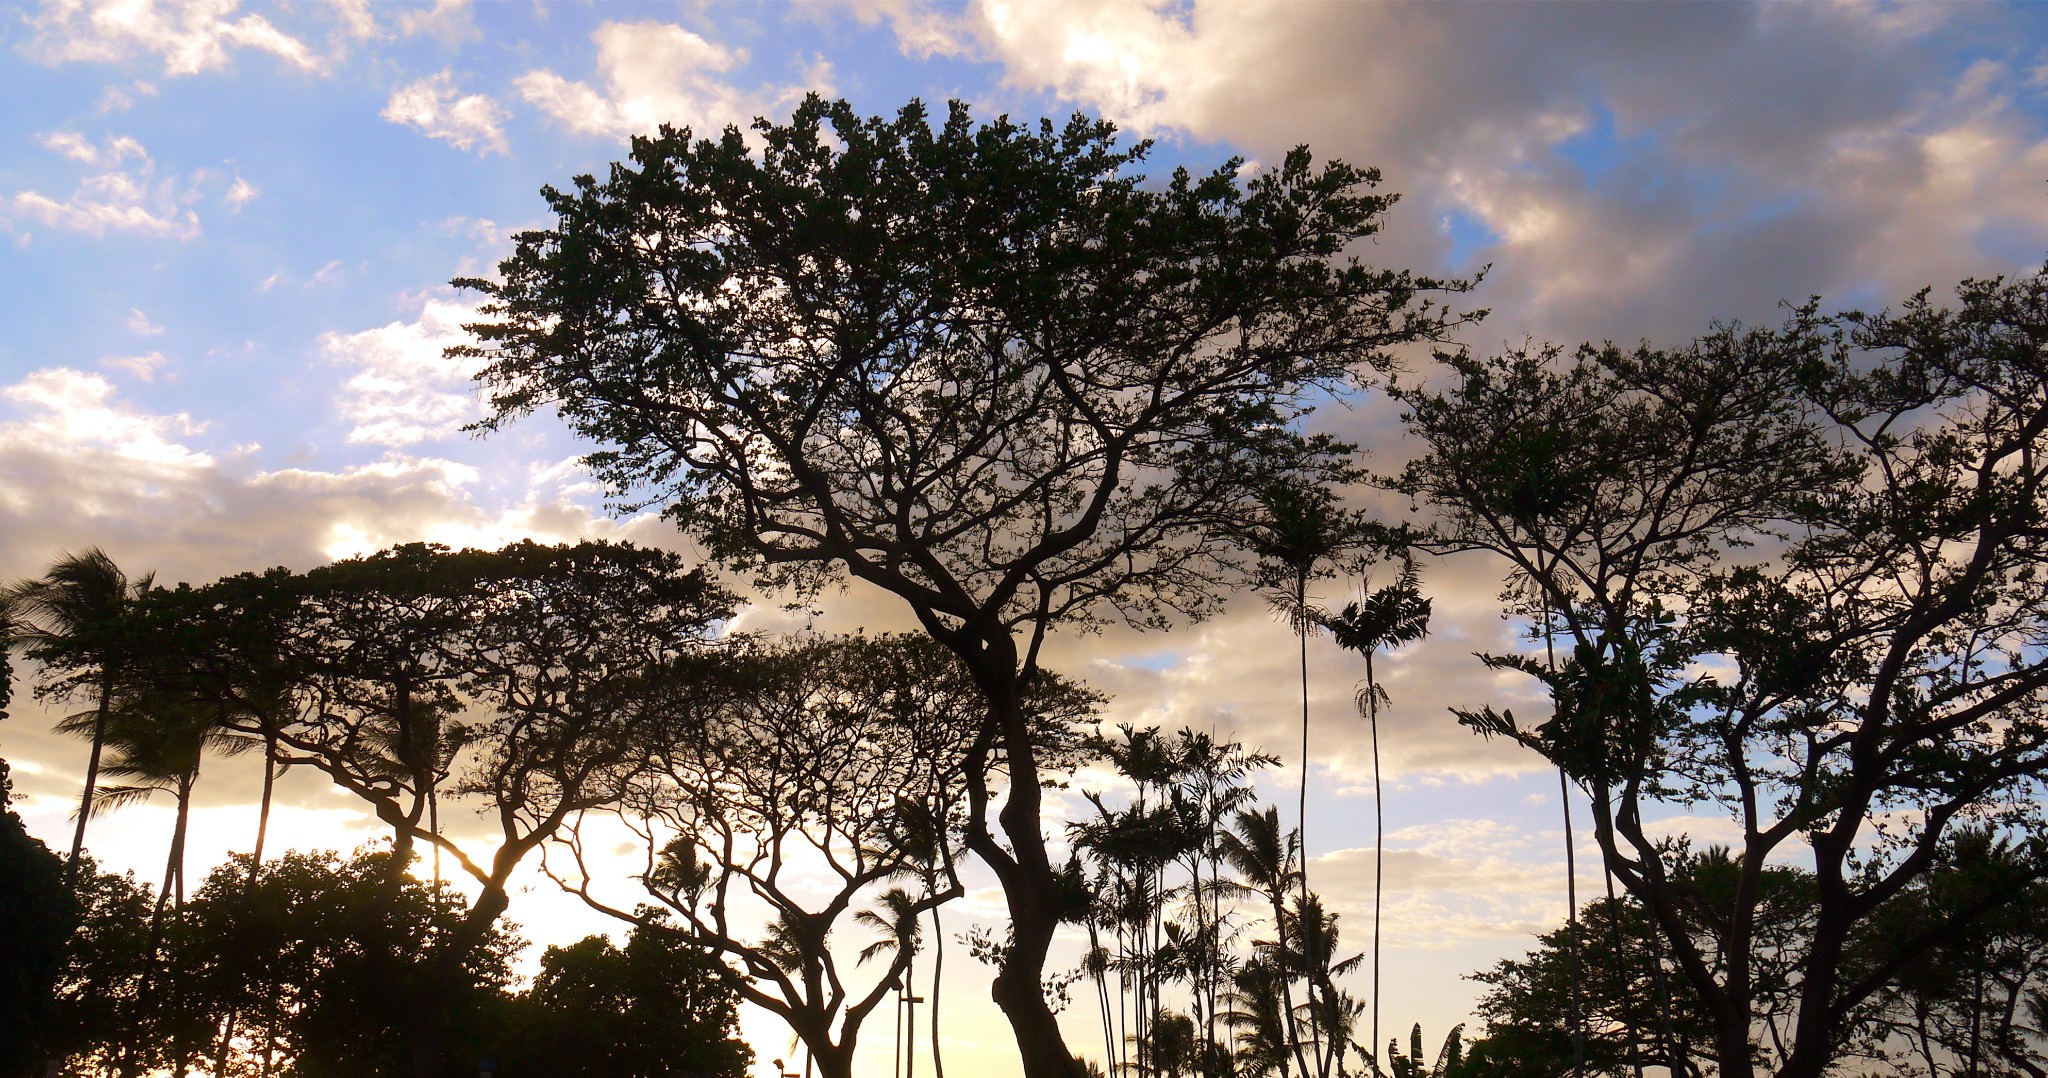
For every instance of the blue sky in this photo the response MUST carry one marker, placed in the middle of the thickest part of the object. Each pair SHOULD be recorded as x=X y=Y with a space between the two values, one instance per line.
x=228 y=231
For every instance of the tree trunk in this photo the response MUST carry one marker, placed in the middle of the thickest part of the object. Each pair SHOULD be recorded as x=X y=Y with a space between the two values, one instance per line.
x=1031 y=889
x=227 y=1029
x=1379 y=845
x=1301 y=811
x=429 y=1032
x=938 y=965
x=92 y=778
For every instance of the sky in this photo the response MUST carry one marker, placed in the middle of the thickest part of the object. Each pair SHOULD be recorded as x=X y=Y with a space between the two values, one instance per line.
x=228 y=232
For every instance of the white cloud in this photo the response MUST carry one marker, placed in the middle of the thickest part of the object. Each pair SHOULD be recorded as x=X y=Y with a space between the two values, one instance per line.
x=405 y=390
x=241 y=194
x=432 y=104
x=87 y=467
x=652 y=74
x=1841 y=151
x=112 y=151
x=189 y=36
x=449 y=20
x=142 y=368
x=355 y=18
x=140 y=325
x=75 y=412
x=121 y=200
x=116 y=98
x=325 y=275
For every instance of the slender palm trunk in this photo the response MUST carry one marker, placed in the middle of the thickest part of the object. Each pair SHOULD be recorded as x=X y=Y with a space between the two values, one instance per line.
x=1285 y=977
x=227 y=1028
x=938 y=967
x=1301 y=806
x=1379 y=847
x=1628 y=998
x=1571 y=876
x=92 y=778
x=145 y=994
x=434 y=827
x=1571 y=949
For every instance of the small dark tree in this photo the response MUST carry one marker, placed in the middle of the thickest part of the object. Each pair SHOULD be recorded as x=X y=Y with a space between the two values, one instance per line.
x=301 y=953
x=36 y=916
x=655 y=1007
x=985 y=369
x=96 y=1022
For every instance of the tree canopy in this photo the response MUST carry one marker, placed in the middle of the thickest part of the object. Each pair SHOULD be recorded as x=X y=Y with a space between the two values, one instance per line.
x=987 y=368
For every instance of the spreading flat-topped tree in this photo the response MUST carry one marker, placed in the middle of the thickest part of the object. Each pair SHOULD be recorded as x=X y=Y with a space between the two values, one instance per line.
x=985 y=368
x=1795 y=579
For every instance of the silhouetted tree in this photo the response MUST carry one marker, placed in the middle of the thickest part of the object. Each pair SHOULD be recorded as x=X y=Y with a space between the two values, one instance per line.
x=1873 y=676
x=96 y=1021
x=655 y=1007
x=1382 y=618
x=1961 y=1007
x=772 y=769
x=522 y=673
x=36 y=916
x=986 y=369
x=74 y=622
x=303 y=950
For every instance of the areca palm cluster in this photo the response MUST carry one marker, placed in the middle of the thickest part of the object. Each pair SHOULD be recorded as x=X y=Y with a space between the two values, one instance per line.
x=1196 y=903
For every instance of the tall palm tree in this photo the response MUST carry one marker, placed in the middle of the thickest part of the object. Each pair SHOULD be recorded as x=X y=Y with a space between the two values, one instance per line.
x=155 y=744
x=1384 y=618
x=1299 y=535
x=73 y=620
x=1269 y=861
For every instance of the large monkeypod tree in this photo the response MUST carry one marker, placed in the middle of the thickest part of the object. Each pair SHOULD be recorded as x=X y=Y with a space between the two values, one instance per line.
x=985 y=368
x=1798 y=577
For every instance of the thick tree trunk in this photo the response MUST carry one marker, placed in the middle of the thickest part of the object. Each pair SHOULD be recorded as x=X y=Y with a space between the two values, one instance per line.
x=429 y=1034
x=1031 y=889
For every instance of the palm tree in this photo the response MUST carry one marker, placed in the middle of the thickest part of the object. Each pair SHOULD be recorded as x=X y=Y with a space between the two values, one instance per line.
x=1315 y=939
x=1299 y=534
x=157 y=742
x=896 y=919
x=73 y=620
x=922 y=840
x=1269 y=861
x=1384 y=618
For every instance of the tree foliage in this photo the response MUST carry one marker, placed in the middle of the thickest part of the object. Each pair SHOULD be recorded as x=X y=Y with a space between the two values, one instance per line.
x=36 y=916
x=986 y=368
x=1796 y=574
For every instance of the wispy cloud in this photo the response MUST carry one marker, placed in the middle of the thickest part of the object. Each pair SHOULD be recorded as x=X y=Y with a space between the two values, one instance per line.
x=132 y=199
x=439 y=110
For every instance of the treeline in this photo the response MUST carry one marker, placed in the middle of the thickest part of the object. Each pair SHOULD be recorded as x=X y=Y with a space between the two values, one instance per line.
x=279 y=976
x=1789 y=579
